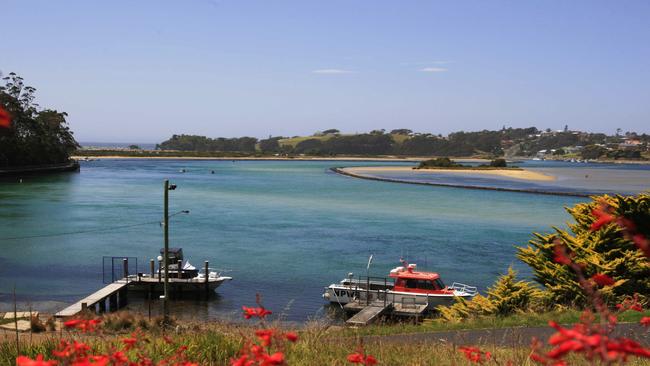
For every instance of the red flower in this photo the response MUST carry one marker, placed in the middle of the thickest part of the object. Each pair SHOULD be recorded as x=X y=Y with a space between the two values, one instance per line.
x=645 y=321
x=602 y=218
x=259 y=312
x=129 y=343
x=560 y=255
x=475 y=355
x=26 y=361
x=362 y=359
x=83 y=325
x=72 y=323
x=602 y=279
x=265 y=335
x=5 y=118
x=119 y=357
x=274 y=359
x=291 y=337
x=241 y=361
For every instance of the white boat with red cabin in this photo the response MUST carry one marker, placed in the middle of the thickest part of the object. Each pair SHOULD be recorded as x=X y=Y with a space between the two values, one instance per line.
x=405 y=285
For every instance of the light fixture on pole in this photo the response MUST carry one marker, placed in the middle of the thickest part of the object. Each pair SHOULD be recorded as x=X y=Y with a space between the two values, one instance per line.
x=167 y=187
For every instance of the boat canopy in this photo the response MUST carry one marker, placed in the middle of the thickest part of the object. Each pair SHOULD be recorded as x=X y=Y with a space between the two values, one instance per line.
x=410 y=273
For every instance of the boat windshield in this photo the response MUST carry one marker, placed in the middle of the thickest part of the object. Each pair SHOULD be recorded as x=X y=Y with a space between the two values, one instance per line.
x=440 y=285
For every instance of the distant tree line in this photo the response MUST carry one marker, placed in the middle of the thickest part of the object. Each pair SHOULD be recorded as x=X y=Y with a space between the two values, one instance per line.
x=202 y=143
x=521 y=141
x=35 y=136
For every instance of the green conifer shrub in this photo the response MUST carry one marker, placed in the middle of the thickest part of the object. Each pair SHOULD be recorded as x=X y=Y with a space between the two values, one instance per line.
x=606 y=250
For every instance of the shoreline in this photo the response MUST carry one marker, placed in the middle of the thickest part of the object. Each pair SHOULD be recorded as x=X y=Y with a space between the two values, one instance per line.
x=270 y=158
x=342 y=171
x=70 y=166
x=522 y=174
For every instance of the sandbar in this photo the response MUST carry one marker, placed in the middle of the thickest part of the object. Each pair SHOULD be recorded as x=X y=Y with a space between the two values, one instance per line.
x=522 y=174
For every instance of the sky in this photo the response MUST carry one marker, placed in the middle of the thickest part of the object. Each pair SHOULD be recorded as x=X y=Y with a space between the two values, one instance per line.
x=140 y=71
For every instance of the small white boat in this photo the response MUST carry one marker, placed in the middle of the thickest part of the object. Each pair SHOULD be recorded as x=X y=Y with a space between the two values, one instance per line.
x=182 y=275
x=405 y=285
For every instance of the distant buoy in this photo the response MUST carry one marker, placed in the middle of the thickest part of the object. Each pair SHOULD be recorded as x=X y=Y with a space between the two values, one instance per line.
x=212 y=172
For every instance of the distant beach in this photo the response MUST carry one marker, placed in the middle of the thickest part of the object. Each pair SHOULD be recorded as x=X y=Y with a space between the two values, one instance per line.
x=517 y=174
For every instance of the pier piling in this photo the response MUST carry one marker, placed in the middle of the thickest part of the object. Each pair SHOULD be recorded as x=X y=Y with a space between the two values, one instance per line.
x=207 y=275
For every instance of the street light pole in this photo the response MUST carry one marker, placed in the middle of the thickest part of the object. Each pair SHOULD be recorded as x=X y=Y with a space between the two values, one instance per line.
x=166 y=254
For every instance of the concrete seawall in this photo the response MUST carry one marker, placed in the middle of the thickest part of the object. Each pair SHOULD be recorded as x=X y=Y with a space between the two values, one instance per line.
x=71 y=166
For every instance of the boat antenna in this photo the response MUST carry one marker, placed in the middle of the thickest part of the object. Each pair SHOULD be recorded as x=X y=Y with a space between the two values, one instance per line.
x=368 y=266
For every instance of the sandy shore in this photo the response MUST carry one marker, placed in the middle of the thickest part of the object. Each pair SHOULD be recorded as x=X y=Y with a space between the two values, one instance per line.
x=517 y=174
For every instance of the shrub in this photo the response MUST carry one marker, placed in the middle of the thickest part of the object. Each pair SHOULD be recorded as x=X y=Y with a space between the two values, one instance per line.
x=505 y=297
x=599 y=247
x=439 y=163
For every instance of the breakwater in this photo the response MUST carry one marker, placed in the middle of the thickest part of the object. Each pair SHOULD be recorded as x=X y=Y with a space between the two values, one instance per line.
x=342 y=171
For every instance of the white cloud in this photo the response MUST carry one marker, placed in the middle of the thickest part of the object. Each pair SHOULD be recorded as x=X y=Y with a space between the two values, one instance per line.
x=433 y=69
x=332 y=71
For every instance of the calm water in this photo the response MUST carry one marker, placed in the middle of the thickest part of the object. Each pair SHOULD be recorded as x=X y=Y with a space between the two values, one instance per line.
x=284 y=229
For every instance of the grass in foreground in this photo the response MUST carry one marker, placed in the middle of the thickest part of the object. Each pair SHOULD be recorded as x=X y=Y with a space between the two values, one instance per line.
x=516 y=320
x=216 y=343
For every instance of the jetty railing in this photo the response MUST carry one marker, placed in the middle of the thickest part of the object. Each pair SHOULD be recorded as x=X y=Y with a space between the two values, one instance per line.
x=118 y=268
x=373 y=290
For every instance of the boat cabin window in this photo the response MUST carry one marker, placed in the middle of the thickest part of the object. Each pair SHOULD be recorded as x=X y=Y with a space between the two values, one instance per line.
x=440 y=285
x=419 y=284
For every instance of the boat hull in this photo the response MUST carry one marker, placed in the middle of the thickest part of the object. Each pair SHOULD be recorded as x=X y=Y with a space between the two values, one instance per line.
x=177 y=285
x=340 y=294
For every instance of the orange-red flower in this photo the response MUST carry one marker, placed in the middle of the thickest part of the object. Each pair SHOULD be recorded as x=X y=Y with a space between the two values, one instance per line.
x=291 y=337
x=362 y=359
x=26 y=361
x=259 y=312
x=602 y=218
x=265 y=335
x=475 y=355
x=5 y=118
x=274 y=359
x=602 y=279
x=129 y=343
x=645 y=321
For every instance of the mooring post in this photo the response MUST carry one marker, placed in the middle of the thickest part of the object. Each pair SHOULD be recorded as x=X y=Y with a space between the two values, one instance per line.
x=180 y=269
x=122 y=293
x=125 y=265
x=206 y=268
x=112 y=302
x=152 y=267
x=102 y=305
x=367 y=290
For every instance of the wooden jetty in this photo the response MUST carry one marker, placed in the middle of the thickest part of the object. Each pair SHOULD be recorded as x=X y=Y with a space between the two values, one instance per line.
x=114 y=295
x=367 y=313
x=109 y=298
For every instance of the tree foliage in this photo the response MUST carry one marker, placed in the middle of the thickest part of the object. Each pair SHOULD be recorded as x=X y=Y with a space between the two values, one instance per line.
x=202 y=143
x=507 y=296
x=439 y=163
x=36 y=136
x=604 y=251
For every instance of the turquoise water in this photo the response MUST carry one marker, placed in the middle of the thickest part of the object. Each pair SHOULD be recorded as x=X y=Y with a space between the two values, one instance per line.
x=285 y=229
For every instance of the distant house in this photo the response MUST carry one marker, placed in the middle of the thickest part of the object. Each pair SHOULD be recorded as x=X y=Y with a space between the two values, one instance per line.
x=630 y=143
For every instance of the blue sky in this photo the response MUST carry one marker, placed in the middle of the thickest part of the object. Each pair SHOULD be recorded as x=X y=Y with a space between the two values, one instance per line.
x=143 y=70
